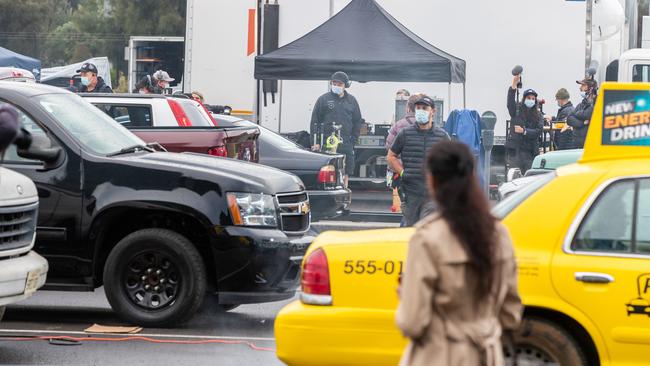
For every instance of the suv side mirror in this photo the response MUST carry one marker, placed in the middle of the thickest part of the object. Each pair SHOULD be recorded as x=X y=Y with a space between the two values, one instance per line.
x=41 y=149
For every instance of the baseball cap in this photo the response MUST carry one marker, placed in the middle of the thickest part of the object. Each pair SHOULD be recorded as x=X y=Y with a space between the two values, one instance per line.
x=162 y=75
x=528 y=92
x=426 y=101
x=587 y=81
x=88 y=67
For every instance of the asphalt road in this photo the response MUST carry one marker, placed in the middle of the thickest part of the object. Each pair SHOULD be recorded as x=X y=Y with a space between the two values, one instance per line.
x=235 y=334
x=243 y=336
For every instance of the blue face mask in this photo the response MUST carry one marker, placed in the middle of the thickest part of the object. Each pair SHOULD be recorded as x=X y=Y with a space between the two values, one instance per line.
x=421 y=116
x=530 y=103
x=583 y=94
x=85 y=81
x=338 y=90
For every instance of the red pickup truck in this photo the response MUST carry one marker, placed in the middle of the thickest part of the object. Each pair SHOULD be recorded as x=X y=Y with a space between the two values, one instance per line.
x=177 y=124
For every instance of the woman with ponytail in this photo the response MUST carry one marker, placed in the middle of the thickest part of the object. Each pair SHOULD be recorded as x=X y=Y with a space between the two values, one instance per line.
x=459 y=289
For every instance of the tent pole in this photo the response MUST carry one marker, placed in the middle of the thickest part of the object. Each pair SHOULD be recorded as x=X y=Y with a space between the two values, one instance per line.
x=280 y=107
x=448 y=100
x=464 y=99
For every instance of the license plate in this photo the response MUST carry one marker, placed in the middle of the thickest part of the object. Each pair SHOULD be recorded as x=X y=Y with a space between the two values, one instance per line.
x=32 y=281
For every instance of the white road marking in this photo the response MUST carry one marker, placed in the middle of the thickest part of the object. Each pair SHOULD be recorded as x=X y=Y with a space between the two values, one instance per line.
x=152 y=335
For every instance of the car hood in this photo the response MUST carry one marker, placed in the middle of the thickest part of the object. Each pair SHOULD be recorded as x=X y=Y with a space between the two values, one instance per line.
x=233 y=175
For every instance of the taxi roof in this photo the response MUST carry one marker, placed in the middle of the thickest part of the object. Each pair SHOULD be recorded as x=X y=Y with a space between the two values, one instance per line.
x=620 y=125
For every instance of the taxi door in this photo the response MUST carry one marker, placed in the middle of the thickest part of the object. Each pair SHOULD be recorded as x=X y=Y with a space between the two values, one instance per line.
x=603 y=267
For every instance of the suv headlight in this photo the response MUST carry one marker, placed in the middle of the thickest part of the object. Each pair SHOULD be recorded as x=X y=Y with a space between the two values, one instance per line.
x=252 y=209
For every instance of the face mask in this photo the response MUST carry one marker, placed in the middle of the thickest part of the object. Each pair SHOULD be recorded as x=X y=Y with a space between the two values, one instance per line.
x=337 y=89
x=85 y=81
x=530 y=103
x=583 y=94
x=142 y=91
x=421 y=116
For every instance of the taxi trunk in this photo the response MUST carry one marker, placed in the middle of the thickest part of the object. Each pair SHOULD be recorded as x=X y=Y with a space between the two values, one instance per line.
x=349 y=295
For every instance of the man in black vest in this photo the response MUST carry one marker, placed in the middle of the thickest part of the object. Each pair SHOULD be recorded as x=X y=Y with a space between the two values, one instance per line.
x=411 y=145
x=341 y=108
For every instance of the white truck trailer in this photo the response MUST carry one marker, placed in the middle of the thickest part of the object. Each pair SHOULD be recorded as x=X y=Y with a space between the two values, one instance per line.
x=546 y=38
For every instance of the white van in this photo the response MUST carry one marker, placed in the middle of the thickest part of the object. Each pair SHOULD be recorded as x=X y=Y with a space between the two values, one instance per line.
x=22 y=271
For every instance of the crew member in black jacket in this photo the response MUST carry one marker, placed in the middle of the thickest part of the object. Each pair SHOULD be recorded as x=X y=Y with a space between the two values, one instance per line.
x=564 y=138
x=581 y=115
x=525 y=128
x=341 y=108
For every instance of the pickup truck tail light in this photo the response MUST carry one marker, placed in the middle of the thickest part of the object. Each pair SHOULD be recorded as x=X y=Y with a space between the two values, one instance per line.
x=220 y=151
x=179 y=113
x=327 y=175
x=315 y=279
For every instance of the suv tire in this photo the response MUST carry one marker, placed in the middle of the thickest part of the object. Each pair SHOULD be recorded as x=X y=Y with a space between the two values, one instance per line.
x=154 y=278
x=540 y=340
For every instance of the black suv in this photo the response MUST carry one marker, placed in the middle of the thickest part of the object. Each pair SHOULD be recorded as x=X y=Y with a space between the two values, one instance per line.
x=157 y=229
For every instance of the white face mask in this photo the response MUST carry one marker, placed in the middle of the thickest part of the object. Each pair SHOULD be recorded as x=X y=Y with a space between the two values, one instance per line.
x=530 y=103
x=337 y=89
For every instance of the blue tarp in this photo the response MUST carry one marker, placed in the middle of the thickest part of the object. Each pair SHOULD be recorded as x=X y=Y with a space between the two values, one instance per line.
x=10 y=58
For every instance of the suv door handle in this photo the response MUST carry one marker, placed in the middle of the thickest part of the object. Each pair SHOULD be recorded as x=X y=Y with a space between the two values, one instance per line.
x=593 y=277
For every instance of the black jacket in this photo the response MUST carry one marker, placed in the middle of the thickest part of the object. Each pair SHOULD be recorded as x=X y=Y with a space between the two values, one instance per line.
x=577 y=119
x=412 y=145
x=564 y=140
x=101 y=87
x=343 y=111
x=531 y=122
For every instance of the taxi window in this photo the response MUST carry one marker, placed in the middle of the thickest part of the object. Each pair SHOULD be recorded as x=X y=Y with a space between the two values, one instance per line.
x=608 y=225
x=643 y=218
x=506 y=206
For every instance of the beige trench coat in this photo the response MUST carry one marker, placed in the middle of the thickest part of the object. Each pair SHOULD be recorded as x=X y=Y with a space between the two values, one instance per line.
x=438 y=311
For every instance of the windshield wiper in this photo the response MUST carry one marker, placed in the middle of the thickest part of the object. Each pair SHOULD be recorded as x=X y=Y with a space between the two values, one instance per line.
x=131 y=149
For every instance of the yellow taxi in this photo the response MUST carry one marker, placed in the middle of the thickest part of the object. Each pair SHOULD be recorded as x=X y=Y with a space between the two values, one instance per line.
x=582 y=240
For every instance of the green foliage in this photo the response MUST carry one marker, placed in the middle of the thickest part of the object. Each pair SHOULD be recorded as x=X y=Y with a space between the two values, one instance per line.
x=60 y=32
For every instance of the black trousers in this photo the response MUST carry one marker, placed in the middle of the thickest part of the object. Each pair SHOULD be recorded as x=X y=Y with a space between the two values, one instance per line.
x=521 y=158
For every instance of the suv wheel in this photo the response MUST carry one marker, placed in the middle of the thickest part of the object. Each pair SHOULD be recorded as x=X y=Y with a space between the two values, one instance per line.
x=155 y=277
x=541 y=342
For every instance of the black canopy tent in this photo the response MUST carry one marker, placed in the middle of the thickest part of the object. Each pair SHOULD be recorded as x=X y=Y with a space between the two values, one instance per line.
x=366 y=42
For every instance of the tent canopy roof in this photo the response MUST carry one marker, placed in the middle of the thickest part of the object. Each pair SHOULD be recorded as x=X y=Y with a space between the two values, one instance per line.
x=13 y=59
x=366 y=42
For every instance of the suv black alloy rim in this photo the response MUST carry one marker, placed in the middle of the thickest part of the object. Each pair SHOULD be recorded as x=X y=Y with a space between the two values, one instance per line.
x=151 y=280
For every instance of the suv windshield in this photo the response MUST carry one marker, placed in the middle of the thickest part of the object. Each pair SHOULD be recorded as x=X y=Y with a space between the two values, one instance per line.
x=506 y=206
x=92 y=128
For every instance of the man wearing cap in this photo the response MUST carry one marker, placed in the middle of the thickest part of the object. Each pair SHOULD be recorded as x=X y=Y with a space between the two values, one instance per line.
x=411 y=146
x=580 y=117
x=526 y=123
x=340 y=108
x=564 y=138
x=90 y=82
x=161 y=80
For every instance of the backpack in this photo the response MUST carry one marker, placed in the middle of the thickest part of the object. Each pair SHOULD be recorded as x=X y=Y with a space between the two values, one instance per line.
x=465 y=126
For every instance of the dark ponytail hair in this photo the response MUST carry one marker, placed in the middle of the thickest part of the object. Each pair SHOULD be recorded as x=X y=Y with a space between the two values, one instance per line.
x=463 y=205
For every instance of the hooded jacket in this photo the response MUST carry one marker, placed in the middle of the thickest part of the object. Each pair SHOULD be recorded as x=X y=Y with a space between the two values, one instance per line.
x=531 y=122
x=564 y=140
x=577 y=119
x=101 y=87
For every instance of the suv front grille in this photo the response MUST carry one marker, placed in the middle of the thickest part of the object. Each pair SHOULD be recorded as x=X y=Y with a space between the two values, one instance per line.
x=17 y=226
x=295 y=212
